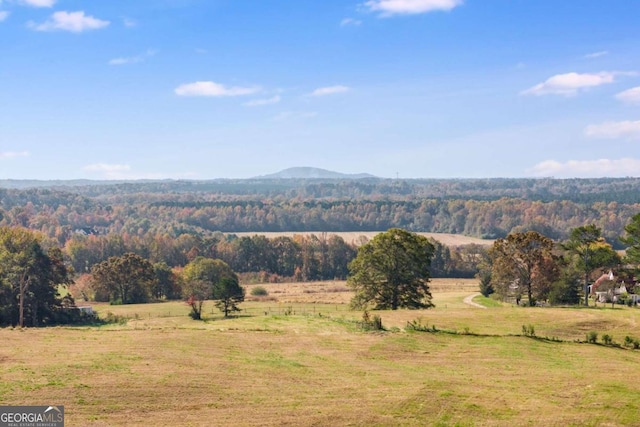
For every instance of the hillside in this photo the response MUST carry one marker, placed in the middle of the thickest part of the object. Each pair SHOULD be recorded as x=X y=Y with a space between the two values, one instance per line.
x=313 y=173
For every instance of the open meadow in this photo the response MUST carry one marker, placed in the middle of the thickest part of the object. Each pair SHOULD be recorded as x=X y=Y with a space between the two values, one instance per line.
x=299 y=357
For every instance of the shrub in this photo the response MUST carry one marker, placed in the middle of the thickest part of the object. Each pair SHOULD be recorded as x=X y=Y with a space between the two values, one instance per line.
x=592 y=337
x=607 y=339
x=528 y=331
x=371 y=323
x=486 y=288
x=259 y=291
x=631 y=342
x=114 y=318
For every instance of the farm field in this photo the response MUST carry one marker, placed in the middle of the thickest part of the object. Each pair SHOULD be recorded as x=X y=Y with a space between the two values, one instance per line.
x=354 y=236
x=298 y=357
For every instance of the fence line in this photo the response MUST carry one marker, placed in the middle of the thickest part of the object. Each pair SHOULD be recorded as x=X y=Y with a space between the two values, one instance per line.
x=275 y=310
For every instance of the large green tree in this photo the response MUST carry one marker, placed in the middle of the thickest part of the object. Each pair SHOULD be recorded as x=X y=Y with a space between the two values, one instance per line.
x=29 y=279
x=208 y=270
x=206 y=278
x=167 y=283
x=591 y=252
x=228 y=294
x=127 y=279
x=566 y=290
x=392 y=271
x=632 y=240
x=523 y=261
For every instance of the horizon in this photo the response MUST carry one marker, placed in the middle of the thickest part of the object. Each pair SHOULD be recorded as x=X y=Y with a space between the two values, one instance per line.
x=345 y=178
x=417 y=89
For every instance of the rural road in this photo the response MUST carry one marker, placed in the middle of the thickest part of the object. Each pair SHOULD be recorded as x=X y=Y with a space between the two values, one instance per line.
x=468 y=300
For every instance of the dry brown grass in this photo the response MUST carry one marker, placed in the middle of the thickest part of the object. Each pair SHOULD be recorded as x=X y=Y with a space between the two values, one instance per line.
x=355 y=236
x=330 y=292
x=320 y=369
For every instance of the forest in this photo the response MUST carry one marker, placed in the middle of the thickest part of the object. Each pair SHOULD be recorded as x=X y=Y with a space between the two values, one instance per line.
x=486 y=208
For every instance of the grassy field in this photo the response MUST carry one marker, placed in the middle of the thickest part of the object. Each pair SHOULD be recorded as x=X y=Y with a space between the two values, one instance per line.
x=298 y=357
x=354 y=236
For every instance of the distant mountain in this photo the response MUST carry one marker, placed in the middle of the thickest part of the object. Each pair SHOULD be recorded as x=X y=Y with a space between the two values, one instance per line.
x=313 y=173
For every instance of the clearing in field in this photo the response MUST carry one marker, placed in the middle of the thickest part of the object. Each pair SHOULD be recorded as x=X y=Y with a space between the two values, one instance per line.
x=355 y=237
x=299 y=357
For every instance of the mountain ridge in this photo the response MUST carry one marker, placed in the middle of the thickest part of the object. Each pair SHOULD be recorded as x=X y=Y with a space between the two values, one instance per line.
x=307 y=172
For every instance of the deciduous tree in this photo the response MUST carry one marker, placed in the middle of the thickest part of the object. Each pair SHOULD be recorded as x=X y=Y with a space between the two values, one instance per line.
x=523 y=261
x=591 y=251
x=392 y=271
x=206 y=278
x=208 y=270
x=166 y=284
x=196 y=292
x=127 y=279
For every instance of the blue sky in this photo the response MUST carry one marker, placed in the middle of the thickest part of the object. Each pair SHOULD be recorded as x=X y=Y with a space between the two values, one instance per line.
x=199 y=89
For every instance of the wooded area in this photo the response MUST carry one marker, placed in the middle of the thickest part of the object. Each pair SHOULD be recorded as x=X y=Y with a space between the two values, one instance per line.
x=488 y=208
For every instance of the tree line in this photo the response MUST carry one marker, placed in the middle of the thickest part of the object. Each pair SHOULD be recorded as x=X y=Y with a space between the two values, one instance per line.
x=311 y=257
x=580 y=190
x=532 y=268
x=131 y=279
x=391 y=271
x=481 y=208
x=123 y=269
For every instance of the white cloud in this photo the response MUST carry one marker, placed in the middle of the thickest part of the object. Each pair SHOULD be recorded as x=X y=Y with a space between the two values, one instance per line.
x=588 y=168
x=350 y=22
x=13 y=154
x=330 y=90
x=3 y=15
x=213 y=89
x=631 y=96
x=76 y=22
x=570 y=83
x=596 y=54
x=614 y=130
x=38 y=3
x=260 y=102
x=133 y=59
x=409 y=7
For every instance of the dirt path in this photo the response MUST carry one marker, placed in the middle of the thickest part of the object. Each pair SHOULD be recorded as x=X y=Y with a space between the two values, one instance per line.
x=469 y=300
